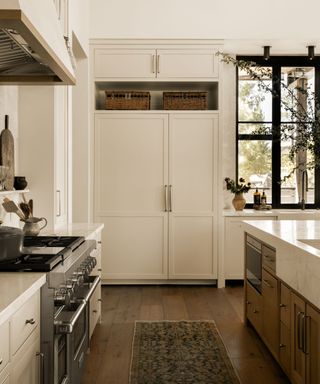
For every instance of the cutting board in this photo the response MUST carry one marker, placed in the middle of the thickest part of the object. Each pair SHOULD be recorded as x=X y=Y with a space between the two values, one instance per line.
x=7 y=153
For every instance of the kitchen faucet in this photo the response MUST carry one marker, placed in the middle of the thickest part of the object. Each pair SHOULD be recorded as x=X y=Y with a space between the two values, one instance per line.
x=304 y=183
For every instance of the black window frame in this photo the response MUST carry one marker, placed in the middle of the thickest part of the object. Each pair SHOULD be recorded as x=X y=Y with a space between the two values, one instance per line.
x=276 y=62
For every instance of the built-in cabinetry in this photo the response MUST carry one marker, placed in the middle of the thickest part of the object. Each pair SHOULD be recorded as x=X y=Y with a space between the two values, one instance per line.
x=173 y=63
x=288 y=324
x=155 y=177
x=155 y=171
x=20 y=355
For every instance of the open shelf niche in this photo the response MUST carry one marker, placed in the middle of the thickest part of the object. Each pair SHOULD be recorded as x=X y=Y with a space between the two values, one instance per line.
x=156 y=90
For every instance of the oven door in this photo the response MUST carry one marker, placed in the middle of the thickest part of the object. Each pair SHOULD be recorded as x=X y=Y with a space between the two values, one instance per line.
x=72 y=323
x=61 y=372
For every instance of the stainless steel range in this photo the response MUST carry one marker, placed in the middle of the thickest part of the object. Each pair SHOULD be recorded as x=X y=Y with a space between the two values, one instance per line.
x=64 y=301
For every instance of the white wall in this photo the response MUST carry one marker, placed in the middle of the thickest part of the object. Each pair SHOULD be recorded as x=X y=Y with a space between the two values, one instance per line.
x=218 y=19
x=79 y=22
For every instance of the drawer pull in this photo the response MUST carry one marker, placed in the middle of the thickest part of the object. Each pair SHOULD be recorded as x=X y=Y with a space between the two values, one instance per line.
x=1 y=361
x=30 y=321
x=95 y=311
x=99 y=242
x=248 y=302
x=100 y=300
x=99 y=270
x=282 y=345
x=255 y=311
x=283 y=306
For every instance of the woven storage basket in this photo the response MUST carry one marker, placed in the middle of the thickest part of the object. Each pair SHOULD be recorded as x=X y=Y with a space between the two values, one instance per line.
x=127 y=100
x=185 y=100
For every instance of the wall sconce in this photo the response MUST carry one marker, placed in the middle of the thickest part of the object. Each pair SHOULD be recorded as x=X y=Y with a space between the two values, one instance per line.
x=266 y=52
x=311 y=51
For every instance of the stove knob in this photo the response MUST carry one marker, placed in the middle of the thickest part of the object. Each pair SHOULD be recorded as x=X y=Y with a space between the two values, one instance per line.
x=69 y=286
x=61 y=297
x=79 y=276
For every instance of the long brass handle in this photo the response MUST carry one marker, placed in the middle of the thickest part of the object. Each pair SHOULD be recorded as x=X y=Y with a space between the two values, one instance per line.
x=166 y=198
x=158 y=63
x=300 y=330
x=1 y=361
x=59 y=203
x=170 y=198
x=153 y=63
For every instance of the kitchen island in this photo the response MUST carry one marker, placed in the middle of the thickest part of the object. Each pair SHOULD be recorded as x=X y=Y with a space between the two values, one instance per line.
x=282 y=302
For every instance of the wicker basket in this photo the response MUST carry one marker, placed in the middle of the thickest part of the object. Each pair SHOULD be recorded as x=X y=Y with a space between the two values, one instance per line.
x=127 y=100
x=185 y=100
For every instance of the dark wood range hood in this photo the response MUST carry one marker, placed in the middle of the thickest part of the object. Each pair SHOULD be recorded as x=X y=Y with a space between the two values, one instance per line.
x=32 y=45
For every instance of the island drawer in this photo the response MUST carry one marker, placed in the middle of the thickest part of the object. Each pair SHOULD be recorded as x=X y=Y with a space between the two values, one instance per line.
x=269 y=258
x=4 y=345
x=254 y=307
x=24 y=322
x=269 y=286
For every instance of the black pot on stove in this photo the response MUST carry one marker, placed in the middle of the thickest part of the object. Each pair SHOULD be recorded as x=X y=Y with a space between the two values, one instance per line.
x=11 y=243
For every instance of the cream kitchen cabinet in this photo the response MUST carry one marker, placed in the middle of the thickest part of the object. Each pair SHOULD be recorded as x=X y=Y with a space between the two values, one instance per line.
x=155 y=180
x=234 y=245
x=148 y=62
x=44 y=131
x=20 y=345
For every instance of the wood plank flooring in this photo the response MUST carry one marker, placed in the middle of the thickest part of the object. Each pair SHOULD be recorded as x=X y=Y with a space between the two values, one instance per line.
x=109 y=358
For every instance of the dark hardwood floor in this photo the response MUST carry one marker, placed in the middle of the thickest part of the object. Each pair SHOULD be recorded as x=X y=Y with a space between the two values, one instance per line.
x=109 y=358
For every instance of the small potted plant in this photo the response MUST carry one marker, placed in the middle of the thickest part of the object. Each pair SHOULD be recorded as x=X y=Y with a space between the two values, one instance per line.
x=238 y=188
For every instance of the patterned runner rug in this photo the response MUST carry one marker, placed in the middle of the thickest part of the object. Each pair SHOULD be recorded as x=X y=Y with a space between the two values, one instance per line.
x=179 y=352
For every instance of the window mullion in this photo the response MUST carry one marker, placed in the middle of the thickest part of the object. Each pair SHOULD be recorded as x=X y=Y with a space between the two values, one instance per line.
x=276 y=137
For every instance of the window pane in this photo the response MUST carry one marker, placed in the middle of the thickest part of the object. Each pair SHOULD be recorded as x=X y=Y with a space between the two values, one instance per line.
x=297 y=92
x=254 y=101
x=292 y=176
x=254 y=159
x=254 y=129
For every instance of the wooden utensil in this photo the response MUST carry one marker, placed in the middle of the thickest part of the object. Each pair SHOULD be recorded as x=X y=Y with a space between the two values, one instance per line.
x=30 y=203
x=25 y=209
x=7 y=154
x=11 y=207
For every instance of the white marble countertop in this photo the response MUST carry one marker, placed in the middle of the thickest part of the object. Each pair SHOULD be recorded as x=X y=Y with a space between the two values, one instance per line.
x=75 y=229
x=312 y=214
x=15 y=289
x=297 y=263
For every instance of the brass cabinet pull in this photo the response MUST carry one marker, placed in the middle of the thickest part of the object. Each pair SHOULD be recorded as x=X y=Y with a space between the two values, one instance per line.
x=153 y=63
x=300 y=330
x=30 y=321
x=1 y=361
x=170 y=198
x=59 y=204
x=282 y=345
x=158 y=63
x=248 y=302
x=99 y=270
x=166 y=198
x=255 y=311
x=282 y=305
x=100 y=300
x=95 y=311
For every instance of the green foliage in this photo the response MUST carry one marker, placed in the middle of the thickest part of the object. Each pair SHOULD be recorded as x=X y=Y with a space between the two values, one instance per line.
x=237 y=187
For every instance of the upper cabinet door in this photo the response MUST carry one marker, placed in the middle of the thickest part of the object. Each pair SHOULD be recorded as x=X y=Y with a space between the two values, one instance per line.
x=125 y=64
x=198 y=64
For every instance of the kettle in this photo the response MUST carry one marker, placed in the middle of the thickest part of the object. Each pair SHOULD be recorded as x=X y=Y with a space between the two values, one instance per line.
x=11 y=243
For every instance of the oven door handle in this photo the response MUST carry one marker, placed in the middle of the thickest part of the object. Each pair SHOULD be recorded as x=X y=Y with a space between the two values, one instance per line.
x=95 y=283
x=63 y=327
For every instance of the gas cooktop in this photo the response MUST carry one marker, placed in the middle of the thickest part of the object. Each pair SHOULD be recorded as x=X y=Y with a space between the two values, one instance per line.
x=43 y=253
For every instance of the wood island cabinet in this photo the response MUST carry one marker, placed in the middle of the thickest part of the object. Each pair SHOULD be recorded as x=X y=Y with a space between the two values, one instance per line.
x=305 y=341
x=287 y=323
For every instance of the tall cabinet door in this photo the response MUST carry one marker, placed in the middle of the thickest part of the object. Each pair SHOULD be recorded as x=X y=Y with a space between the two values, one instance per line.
x=298 y=364
x=131 y=171
x=193 y=144
x=312 y=346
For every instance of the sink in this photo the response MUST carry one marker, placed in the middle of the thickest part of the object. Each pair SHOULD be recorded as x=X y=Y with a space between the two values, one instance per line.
x=315 y=243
